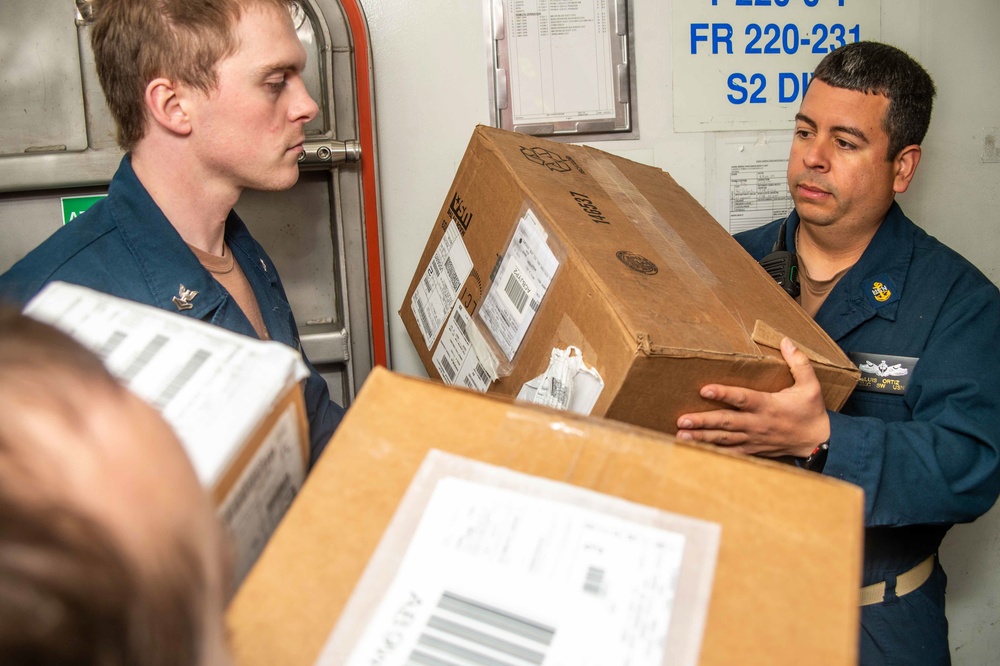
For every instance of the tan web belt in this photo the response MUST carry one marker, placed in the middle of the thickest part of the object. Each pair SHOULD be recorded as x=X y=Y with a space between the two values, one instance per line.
x=905 y=583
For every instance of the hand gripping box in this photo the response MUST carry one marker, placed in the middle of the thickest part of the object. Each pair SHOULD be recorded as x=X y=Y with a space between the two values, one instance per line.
x=235 y=403
x=782 y=580
x=582 y=280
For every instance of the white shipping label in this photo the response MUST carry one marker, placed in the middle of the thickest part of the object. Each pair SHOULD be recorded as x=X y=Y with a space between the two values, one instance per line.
x=211 y=385
x=520 y=285
x=493 y=576
x=462 y=356
x=437 y=290
x=568 y=383
x=259 y=499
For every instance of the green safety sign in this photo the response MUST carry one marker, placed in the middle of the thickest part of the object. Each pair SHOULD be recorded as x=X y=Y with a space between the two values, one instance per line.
x=73 y=206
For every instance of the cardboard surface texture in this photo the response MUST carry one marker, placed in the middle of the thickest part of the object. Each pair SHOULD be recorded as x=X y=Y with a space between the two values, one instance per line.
x=786 y=586
x=234 y=402
x=657 y=296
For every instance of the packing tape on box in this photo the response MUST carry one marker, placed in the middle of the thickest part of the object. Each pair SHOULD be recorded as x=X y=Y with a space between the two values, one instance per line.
x=671 y=249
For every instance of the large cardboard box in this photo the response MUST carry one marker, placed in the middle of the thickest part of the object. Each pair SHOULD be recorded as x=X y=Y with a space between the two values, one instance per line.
x=543 y=247
x=235 y=403
x=788 y=569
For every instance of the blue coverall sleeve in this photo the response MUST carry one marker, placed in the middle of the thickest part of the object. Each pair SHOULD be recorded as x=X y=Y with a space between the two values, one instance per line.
x=324 y=414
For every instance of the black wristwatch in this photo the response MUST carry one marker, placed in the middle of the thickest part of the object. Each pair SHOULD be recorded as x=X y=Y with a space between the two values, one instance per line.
x=817 y=459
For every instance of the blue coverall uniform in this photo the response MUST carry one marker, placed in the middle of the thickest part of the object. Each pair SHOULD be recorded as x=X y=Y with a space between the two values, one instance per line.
x=927 y=454
x=124 y=246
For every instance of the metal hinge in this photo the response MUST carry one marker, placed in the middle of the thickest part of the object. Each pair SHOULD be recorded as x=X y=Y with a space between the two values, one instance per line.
x=330 y=153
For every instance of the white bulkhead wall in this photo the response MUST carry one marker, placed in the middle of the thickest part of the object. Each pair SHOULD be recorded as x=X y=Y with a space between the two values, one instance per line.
x=430 y=63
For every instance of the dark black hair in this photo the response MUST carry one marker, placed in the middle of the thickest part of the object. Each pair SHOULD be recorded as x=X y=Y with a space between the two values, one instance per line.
x=879 y=69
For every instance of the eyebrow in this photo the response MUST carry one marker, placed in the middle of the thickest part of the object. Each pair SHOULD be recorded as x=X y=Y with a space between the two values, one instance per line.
x=276 y=67
x=841 y=129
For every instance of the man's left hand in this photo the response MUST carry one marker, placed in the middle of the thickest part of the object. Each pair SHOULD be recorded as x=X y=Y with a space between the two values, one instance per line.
x=790 y=422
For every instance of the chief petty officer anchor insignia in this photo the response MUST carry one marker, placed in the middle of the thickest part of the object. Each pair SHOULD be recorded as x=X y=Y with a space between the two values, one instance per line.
x=883 y=373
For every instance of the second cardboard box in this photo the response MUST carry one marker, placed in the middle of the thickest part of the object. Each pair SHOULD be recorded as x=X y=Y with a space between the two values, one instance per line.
x=591 y=282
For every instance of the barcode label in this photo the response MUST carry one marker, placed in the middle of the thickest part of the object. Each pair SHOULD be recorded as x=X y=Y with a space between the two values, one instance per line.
x=182 y=378
x=594 y=582
x=111 y=344
x=516 y=293
x=460 y=322
x=422 y=314
x=145 y=356
x=483 y=375
x=452 y=274
x=560 y=391
x=249 y=484
x=534 y=305
x=466 y=632
x=448 y=369
x=281 y=498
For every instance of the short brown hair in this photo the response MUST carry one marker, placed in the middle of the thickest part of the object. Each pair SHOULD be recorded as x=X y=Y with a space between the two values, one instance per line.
x=874 y=68
x=69 y=591
x=136 y=41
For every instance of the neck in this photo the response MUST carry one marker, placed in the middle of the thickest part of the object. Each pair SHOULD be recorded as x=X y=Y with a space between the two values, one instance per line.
x=195 y=205
x=829 y=249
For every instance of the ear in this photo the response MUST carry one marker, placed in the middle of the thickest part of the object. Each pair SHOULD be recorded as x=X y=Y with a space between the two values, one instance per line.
x=167 y=104
x=905 y=165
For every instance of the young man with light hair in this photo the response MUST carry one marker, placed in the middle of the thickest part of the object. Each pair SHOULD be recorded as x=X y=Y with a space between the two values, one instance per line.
x=209 y=100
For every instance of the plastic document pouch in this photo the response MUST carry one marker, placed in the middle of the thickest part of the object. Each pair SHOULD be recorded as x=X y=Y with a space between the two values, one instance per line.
x=483 y=565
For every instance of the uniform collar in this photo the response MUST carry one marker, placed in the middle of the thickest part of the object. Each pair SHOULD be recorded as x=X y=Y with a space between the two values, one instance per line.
x=874 y=285
x=167 y=264
x=246 y=251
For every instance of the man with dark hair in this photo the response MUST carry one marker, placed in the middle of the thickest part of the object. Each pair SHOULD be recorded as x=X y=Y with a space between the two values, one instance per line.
x=209 y=100
x=110 y=552
x=921 y=433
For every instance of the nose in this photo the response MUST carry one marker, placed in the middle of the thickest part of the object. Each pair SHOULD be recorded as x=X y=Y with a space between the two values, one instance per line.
x=303 y=108
x=815 y=156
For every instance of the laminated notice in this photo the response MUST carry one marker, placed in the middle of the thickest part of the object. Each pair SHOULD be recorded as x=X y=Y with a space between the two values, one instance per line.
x=462 y=356
x=500 y=567
x=437 y=290
x=520 y=285
x=568 y=383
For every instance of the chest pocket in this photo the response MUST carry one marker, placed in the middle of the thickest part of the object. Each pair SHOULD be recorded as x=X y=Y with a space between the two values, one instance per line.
x=884 y=406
